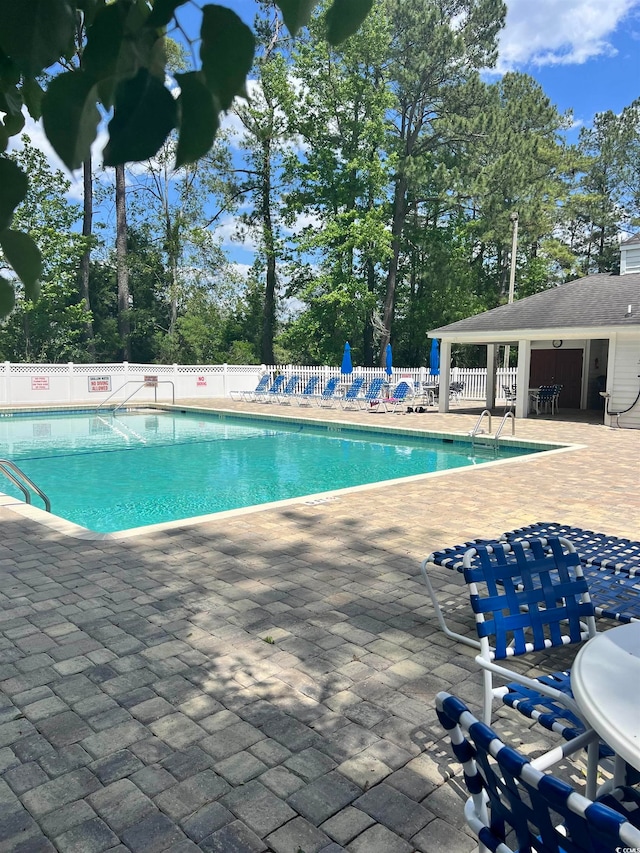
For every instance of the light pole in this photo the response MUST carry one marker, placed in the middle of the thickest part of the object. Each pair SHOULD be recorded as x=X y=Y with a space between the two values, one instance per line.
x=513 y=218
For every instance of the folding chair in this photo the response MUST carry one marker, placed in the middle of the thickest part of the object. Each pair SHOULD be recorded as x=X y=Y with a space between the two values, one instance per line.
x=516 y=808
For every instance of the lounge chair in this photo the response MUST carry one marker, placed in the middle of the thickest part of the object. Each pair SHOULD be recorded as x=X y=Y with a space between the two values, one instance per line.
x=351 y=396
x=513 y=802
x=288 y=393
x=271 y=393
x=308 y=393
x=328 y=395
x=400 y=395
x=249 y=396
x=611 y=567
x=371 y=397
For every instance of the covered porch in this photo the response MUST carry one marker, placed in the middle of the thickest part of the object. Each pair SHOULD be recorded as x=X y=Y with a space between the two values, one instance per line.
x=578 y=365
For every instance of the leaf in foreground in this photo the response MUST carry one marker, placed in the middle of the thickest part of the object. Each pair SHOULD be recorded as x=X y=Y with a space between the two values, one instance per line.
x=145 y=113
x=198 y=118
x=70 y=117
x=13 y=189
x=24 y=256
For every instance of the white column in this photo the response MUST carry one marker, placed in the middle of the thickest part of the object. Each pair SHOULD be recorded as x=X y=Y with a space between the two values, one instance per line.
x=445 y=375
x=492 y=355
x=586 y=366
x=522 y=380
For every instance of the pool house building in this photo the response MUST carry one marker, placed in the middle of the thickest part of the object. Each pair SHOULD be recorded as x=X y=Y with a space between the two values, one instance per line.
x=583 y=335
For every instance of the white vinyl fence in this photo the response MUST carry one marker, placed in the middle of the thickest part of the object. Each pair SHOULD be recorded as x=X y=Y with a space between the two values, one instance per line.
x=70 y=384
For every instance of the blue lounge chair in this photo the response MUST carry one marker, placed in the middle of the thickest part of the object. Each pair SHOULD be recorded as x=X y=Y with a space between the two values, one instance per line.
x=611 y=566
x=249 y=396
x=373 y=393
x=513 y=802
x=272 y=392
x=288 y=393
x=328 y=395
x=308 y=394
x=351 y=396
x=400 y=394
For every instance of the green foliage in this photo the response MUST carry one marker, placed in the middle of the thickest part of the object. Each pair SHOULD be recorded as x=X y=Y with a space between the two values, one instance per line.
x=122 y=67
x=51 y=327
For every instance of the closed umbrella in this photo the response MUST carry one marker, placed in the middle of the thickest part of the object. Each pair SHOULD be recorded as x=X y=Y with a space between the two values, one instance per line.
x=388 y=361
x=434 y=358
x=347 y=367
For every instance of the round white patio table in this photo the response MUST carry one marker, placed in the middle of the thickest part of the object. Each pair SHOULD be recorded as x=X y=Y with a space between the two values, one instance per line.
x=605 y=679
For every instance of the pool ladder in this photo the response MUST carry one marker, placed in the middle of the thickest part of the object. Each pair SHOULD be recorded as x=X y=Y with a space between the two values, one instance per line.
x=479 y=430
x=24 y=483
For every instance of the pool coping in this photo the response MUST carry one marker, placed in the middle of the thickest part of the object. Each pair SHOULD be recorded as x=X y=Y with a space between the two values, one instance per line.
x=69 y=528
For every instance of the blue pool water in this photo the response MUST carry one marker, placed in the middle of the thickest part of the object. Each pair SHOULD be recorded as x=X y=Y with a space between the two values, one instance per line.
x=112 y=473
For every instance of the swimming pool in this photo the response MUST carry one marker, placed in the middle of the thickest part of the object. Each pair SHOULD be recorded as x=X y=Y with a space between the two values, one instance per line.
x=111 y=473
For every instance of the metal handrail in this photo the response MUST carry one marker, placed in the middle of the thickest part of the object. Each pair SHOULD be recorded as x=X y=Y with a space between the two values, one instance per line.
x=155 y=392
x=144 y=384
x=505 y=418
x=17 y=476
x=476 y=430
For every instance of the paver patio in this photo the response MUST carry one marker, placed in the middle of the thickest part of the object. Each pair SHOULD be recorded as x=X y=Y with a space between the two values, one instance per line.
x=265 y=681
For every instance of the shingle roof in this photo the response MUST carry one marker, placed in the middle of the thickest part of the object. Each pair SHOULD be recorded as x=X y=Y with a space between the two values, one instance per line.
x=593 y=301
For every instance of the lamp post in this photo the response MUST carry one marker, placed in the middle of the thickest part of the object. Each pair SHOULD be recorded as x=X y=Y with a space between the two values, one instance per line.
x=513 y=218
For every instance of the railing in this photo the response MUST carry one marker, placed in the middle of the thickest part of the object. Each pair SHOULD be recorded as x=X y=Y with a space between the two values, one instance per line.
x=507 y=416
x=21 y=481
x=478 y=429
x=144 y=384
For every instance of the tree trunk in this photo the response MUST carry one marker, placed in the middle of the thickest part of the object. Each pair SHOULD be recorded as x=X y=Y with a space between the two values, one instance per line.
x=87 y=230
x=269 y=308
x=399 y=217
x=367 y=335
x=122 y=269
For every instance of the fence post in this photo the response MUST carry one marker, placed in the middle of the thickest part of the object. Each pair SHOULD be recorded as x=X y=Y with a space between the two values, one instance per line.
x=7 y=382
x=70 y=381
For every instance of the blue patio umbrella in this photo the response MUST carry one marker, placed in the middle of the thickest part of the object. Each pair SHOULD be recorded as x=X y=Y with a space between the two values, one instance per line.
x=347 y=367
x=434 y=358
x=388 y=361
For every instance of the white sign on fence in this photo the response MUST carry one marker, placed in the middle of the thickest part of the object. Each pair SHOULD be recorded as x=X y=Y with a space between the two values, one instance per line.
x=99 y=383
x=39 y=383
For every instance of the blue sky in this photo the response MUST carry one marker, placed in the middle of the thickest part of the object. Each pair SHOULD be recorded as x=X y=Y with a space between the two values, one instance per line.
x=584 y=53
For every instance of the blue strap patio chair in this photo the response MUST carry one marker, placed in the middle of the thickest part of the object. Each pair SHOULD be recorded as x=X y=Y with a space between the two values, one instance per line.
x=308 y=393
x=371 y=397
x=516 y=808
x=611 y=566
x=327 y=397
x=287 y=394
x=400 y=395
x=352 y=394
x=271 y=393
x=249 y=396
x=529 y=596
x=545 y=399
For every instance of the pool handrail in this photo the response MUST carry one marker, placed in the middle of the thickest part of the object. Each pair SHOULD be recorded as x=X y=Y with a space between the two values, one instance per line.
x=17 y=476
x=144 y=384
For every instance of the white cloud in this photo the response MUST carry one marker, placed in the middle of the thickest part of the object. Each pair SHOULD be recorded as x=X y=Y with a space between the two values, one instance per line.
x=35 y=132
x=560 y=32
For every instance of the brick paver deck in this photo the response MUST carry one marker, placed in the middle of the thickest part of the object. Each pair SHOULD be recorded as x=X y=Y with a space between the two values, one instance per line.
x=265 y=681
